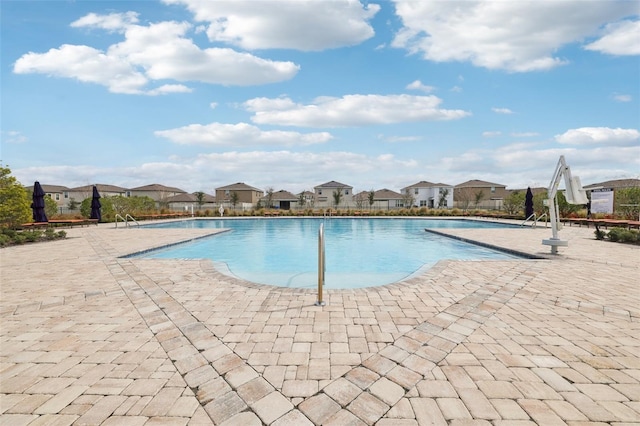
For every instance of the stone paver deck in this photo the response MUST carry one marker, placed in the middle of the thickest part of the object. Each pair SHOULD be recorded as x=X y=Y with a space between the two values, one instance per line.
x=90 y=338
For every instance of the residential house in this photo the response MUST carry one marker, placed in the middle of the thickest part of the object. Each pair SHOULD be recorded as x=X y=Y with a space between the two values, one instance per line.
x=189 y=202
x=159 y=193
x=58 y=193
x=324 y=194
x=479 y=194
x=309 y=199
x=430 y=195
x=247 y=196
x=604 y=197
x=614 y=184
x=383 y=199
x=280 y=200
x=81 y=193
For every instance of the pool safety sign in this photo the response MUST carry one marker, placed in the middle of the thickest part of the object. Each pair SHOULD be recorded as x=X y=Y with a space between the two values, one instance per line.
x=602 y=201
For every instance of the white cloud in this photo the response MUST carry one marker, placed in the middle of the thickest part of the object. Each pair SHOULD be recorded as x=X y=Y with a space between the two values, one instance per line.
x=159 y=51
x=524 y=135
x=517 y=36
x=399 y=139
x=502 y=110
x=350 y=110
x=13 y=136
x=110 y=22
x=213 y=105
x=170 y=88
x=240 y=134
x=621 y=38
x=600 y=136
x=418 y=85
x=622 y=98
x=519 y=165
x=307 y=25
x=491 y=134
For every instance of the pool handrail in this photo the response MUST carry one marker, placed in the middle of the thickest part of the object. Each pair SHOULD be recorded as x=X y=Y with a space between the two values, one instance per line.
x=321 y=265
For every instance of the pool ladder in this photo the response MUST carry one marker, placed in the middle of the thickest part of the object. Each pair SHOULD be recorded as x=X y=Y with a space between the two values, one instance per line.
x=126 y=220
x=321 y=265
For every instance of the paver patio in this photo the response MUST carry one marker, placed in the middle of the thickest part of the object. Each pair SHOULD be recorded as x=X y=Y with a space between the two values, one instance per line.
x=90 y=338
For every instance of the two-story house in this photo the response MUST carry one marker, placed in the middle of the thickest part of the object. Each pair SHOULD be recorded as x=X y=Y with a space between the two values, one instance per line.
x=324 y=195
x=430 y=195
x=246 y=196
x=480 y=194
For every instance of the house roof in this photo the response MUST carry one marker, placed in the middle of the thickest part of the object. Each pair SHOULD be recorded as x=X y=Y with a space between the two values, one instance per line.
x=240 y=186
x=425 y=184
x=618 y=183
x=283 y=195
x=536 y=190
x=306 y=194
x=101 y=188
x=49 y=188
x=380 y=194
x=157 y=187
x=386 y=194
x=475 y=183
x=333 y=184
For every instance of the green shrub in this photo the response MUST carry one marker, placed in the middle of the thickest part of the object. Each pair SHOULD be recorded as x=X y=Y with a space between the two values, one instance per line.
x=600 y=234
x=623 y=235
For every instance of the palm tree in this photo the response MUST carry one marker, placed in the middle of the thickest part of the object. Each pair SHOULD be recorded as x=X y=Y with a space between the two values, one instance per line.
x=234 y=199
x=442 y=200
x=337 y=197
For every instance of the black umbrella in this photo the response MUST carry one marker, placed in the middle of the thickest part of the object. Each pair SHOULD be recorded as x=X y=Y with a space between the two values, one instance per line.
x=528 y=203
x=95 y=205
x=37 y=204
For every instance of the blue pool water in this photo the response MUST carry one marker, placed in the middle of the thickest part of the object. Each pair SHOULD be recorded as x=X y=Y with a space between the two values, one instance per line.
x=360 y=252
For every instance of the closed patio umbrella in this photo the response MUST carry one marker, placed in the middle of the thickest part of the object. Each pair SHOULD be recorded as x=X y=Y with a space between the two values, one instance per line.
x=95 y=205
x=528 y=203
x=37 y=204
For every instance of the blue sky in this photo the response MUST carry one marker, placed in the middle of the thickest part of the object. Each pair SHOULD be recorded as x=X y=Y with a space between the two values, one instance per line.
x=292 y=94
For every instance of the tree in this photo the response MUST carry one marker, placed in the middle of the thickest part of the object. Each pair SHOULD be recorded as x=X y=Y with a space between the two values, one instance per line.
x=477 y=197
x=14 y=201
x=107 y=211
x=407 y=199
x=372 y=198
x=50 y=206
x=359 y=200
x=301 y=200
x=234 y=199
x=627 y=202
x=337 y=197
x=463 y=196
x=199 y=198
x=269 y=197
x=442 y=199
x=514 y=202
x=73 y=204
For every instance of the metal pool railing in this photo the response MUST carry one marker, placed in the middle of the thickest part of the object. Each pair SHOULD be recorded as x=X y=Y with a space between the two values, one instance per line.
x=321 y=265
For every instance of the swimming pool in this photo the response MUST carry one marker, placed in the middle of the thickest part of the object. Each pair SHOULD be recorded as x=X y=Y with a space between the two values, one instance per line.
x=360 y=252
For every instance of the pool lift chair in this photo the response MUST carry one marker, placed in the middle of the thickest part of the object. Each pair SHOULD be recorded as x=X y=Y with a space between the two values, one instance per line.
x=574 y=194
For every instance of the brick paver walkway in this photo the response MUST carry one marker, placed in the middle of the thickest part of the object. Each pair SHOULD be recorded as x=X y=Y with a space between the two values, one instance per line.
x=90 y=338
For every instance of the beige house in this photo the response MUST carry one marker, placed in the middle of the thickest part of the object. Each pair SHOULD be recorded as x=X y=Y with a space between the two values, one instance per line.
x=58 y=193
x=247 y=195
x=282 y=199
x=324 y=194
x=383 y=199
x=431 y=195
x=479 y=194
x=189 y=202
x=159 y=193
x=83 y=192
